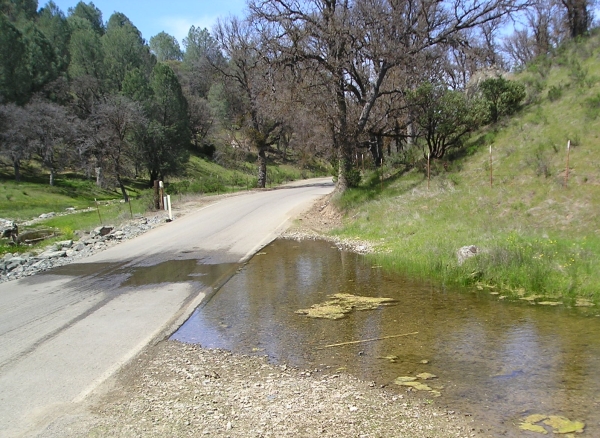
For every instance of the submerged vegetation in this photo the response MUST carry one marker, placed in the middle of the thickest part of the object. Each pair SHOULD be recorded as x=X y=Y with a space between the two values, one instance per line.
x=339 y=305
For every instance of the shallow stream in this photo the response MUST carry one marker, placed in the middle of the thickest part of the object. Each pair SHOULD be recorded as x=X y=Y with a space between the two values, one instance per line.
x=497 y=360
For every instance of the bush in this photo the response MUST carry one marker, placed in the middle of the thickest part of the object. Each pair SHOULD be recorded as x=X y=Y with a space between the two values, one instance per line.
x=352 y=174
x=592 y=107
x=504 y=97
x=555 y=93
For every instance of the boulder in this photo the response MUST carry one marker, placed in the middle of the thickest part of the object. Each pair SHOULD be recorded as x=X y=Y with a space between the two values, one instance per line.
x=102 y=231
x=19 y=260
x=78 y=246
x=466 y=252
x=8 y=229
x=51 y=255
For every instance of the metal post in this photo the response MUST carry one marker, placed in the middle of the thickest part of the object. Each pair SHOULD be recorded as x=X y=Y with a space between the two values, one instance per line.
x=428 y=169
x=130 y=209
x=567 y=172
x=98 y=209
x=169 y=207
x=491 y=168
x=162 y=194
x=156 y=195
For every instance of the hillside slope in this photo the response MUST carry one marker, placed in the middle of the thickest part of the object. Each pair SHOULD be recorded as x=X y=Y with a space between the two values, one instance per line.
x=537 y=232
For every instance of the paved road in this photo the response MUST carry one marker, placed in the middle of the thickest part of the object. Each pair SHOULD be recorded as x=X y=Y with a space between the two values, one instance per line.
x=64 y=332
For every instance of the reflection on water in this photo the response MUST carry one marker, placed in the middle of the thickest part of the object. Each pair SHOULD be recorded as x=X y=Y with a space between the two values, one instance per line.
x=498 y=360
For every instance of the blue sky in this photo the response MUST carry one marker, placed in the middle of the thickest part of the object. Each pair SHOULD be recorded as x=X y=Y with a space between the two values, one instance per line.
x=172 y=16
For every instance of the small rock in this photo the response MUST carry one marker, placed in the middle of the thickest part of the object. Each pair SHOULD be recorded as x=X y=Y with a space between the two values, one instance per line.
x=18 y=260
x=79 y=246
x=102 y=231
x=47 y=215
x=51 y=254
x=466 y=252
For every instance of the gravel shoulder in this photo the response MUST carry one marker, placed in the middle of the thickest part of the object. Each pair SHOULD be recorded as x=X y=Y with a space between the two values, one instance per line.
x=179 y=390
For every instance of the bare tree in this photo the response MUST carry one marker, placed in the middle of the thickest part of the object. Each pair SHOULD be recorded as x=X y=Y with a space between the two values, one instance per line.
x=251 y=70
x=542 y=31
x=14 y=136
x=578 y=16
x=353 y=46
x=53 y=132
x=114 y=122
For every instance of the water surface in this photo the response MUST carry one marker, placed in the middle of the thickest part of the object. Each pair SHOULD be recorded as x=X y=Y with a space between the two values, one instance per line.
x=497 y=360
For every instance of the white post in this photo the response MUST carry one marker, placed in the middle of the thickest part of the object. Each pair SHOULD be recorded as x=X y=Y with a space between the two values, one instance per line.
x=169 y=204
x=165 y=202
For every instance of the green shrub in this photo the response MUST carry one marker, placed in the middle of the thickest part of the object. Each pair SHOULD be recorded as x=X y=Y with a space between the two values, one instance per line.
x=555 y=93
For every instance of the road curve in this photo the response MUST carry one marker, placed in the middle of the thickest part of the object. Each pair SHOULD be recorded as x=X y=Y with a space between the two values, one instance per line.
x=64 y=332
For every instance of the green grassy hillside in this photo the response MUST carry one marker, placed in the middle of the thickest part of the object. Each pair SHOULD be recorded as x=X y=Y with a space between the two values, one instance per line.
x=537 y=236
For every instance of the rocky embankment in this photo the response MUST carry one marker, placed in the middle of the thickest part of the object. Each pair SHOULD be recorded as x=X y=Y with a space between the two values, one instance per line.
x=13 y=266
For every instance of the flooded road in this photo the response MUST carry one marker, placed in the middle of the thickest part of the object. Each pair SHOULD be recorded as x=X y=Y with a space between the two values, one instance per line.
x=499 y=361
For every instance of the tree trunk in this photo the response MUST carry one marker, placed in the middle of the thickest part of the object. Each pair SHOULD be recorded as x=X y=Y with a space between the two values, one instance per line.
x=341 y=138
x=51 y=177
x=376 y=147
x=17 y=167
x=262 y=169
x=99 y=177
x=344 y=166
x=153 y=177
x=578 y=16
x=122 y=187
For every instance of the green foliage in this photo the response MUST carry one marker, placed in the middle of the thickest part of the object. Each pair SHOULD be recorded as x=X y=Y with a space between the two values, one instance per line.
x=42 y=62
x=578 y=73
x=592 y=106
x=53 y=24
x=199 y=44
x=445 y=117
x=555 y=93
x=218 y=103
x=165 y=47
x=89 y=13
x=136 y=86
x=15 y=80
x=85 y=47
x=504 y=97
x=353 y=175
x=165 y=143
x=124 y=50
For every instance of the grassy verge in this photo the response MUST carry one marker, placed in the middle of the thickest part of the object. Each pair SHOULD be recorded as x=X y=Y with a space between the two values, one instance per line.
x=526 y=249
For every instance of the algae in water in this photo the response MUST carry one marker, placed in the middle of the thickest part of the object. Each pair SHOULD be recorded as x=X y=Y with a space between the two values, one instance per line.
x=339 y=305
x=559 y=425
